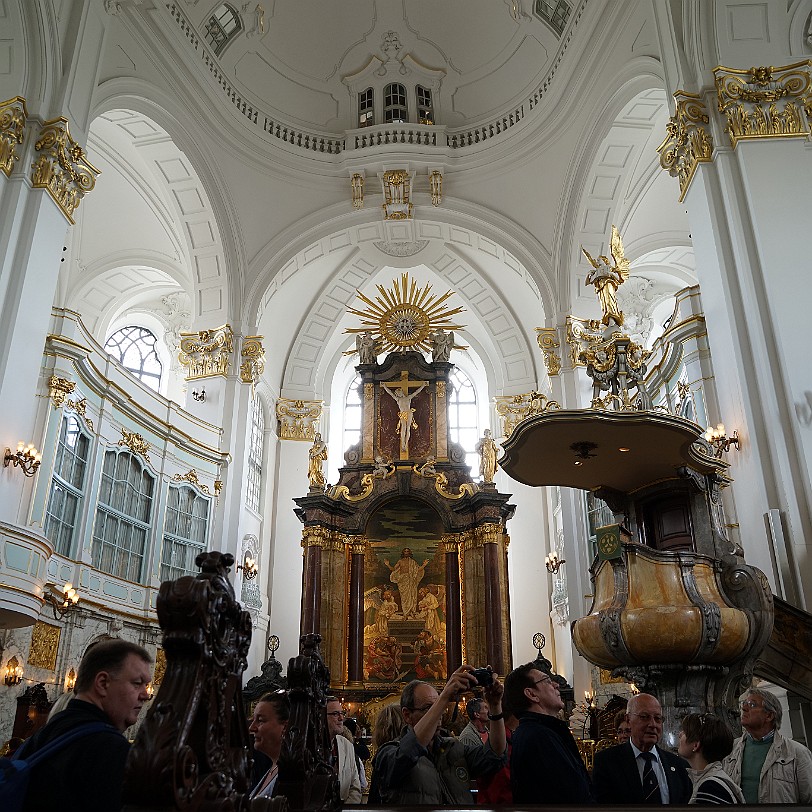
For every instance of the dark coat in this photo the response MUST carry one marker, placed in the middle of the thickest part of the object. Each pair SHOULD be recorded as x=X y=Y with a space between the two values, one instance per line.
x=545 y=765
x=90 y=768
x=616 y=777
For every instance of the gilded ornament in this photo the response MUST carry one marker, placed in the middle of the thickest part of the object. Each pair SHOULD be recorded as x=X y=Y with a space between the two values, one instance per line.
x=547 y=338
x=516 y=408
x=357 y=186
x=315 y=536
x=59 y=389
x=440 y=389
x=61 y=168
x=427 y=470
x=765 y=102
x=607 y=278
x=687 y=142
x=342 y=491
x=192 y=478
x=44 y=646
x=369 y=391
x=436 y=187
x=160 y=666
x=135 y=442
x=298 y=419
x=80 y=407
x=405 y=316
x=582 y=333
x=13 y=115
x=207 y=353
x=397 y=191
x=253 y=365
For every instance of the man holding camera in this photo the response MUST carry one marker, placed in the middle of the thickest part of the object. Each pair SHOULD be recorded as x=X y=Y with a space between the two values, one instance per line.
x=423 y=767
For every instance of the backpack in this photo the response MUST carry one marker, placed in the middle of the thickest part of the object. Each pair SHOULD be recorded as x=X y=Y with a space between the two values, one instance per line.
x=15 y=773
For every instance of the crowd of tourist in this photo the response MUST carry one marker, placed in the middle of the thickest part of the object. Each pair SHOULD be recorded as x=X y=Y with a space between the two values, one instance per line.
x=516 y=748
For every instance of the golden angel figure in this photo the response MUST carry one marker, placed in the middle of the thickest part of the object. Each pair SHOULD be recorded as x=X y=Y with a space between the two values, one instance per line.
x=607 y=278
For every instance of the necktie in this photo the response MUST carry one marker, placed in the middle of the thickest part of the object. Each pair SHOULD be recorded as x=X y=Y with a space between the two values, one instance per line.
x=651 y=787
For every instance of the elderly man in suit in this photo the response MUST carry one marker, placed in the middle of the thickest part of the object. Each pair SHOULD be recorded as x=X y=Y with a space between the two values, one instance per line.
x=639 y=772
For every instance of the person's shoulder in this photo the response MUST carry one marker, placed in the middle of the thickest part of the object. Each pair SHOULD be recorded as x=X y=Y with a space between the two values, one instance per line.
x=714 y=792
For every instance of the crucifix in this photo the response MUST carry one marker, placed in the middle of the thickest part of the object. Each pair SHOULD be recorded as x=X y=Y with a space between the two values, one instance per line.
x=399 y=392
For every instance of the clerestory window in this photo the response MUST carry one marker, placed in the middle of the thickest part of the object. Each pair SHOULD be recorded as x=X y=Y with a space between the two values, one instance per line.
x=425 y=106
x=394 y=104
x=185 y=532
x=221 y=27
x=554 y=12
x=366 y=108
x=134 y=348
x=463 y=423
x=255 y=449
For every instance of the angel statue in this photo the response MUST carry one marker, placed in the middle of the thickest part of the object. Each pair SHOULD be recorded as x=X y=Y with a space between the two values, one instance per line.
x=607 y=278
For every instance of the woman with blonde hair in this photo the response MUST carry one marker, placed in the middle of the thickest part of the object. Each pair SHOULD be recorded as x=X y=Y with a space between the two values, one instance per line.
x=388 y=726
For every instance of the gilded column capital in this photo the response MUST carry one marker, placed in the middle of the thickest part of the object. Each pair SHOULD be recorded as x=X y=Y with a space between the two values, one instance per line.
x=61 y=167
x=582 y=333
x=13 y=115
x=315 y=536
x=765 y=102
x=547 y=338
x=206 y=353
x=513 y=409
x=451 y=542
x=59 y=389
x=488 y=534
x=687 y=142
x=253 y=360
x=298 y=419
x=357 y=546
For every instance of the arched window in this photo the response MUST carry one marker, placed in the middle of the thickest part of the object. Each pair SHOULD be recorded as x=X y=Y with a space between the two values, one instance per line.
x=366 y=108
x=185 y=531
x=67 y=485
x=255 y=448
x=394 y=104
x=123 y=516
x=463 y=424
x=223 y=25
x=352 y=415
x=134 y=349
x=425 y=106
x=554 y=12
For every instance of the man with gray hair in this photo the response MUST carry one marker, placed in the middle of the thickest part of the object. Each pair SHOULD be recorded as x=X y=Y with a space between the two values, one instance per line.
x=770 y=768
x=476 y=731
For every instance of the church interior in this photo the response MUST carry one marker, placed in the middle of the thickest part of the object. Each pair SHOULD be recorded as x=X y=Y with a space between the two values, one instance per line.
x=471 y=330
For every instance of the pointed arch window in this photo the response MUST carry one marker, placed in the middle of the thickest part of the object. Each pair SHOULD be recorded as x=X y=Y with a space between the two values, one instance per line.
x=134 y=348
x=186 y=530
x=67 y=485
x=123 y=516
x=463 y=422
x=394 y=104
x=255 y=449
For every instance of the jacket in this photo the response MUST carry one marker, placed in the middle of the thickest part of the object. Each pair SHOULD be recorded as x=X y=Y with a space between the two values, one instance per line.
x=470 y=735
x=616 y=779
x=713 y=786
x=786 y=777
x=412 y=775
x=348 y=778
x=96 y=760
x=545 y=766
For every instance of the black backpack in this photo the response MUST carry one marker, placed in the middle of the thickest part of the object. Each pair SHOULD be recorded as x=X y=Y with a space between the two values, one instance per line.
x=15 y=773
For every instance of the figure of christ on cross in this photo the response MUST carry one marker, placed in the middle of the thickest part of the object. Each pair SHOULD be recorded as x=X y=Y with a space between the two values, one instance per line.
x=399 y=392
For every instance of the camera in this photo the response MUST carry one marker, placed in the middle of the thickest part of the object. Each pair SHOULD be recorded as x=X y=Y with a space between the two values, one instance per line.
x=483 y=676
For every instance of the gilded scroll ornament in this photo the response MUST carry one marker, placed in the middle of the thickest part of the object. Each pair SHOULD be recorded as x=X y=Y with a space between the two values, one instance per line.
x=253 y=363
x=515 y=408
x=581 y=333
x=342 y=491
x=427 y=470
x=298 y=419
x=59 y=389
x=13 y=115
x=135 y=442
x=207 y=353
x=765 y=102
x=687 y=142
x=192 y=478
x=80 y=407
x=61 y=167
x=547 y=338
x=44 y=646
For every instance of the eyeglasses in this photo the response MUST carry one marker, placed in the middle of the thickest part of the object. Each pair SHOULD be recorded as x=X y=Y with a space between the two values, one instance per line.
x=647 y=717
x=542 y=680
x=748 y=703
x=336 y=713
x=424 y=709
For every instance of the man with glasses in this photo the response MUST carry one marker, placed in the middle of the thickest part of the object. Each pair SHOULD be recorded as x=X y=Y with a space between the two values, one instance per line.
x=639 y=772
x=423 y=767
x=545 y=766
x=770 y=768
x=343 y=754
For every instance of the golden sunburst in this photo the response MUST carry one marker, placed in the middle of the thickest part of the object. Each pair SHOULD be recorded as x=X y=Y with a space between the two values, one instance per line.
x=404 y=317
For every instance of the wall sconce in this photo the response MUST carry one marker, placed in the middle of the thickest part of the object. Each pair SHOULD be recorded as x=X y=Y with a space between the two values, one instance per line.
x=199 y=396
x=718 y=438
x=249 y=568
x=70 y=680
x=69 y=599
x=357 y=184
x=27 y=458
x=554 y=563
x=436 y=186
x=14 y=672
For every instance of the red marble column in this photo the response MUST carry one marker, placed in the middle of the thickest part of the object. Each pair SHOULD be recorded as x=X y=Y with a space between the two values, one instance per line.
x=453 y=616
x=355 y=643
x=311 y=585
